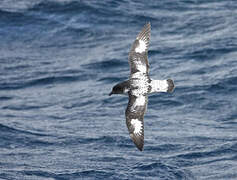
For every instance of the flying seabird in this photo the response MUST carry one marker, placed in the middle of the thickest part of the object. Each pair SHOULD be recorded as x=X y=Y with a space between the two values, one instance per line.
x=139 y=86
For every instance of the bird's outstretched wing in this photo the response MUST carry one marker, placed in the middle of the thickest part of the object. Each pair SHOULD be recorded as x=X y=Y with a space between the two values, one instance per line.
x=138 y=53
x=134 y=118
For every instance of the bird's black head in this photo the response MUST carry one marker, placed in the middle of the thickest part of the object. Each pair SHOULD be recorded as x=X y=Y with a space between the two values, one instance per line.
x=117 y=89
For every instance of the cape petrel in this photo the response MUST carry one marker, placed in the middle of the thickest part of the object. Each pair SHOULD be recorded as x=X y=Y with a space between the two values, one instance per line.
x=139 y=86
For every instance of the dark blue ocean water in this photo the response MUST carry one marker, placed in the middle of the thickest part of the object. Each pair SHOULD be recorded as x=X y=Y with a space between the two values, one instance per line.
x=59 y=60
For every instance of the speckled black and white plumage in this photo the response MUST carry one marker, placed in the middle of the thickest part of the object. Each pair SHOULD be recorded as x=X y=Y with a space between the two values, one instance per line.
x=139 y=86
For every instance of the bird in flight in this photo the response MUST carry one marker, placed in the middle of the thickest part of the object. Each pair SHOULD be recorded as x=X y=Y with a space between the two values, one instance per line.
x=139 y=85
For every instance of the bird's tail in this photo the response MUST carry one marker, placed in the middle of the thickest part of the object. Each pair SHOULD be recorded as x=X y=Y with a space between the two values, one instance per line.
x=162 y=85
x=170 y=83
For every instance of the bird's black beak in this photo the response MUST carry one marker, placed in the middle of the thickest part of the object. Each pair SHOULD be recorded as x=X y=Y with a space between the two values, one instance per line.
x=110 y=93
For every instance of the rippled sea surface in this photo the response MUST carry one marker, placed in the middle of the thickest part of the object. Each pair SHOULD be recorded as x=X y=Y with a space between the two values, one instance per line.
x=59 y=60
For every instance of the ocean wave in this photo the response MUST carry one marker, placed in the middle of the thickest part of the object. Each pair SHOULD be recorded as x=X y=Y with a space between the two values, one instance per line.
x=14 y=138
x=59 y=61
x=8 y=129
x=210 y=156
x=44 y=81
x=161 y=170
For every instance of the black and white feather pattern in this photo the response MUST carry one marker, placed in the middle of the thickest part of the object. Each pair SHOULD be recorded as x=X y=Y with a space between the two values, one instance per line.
x=139 y=80
x=138 y=59
x=134 y=119
x=139 y=86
